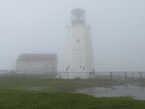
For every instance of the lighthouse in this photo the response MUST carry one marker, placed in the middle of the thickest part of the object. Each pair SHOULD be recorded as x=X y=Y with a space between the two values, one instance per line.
x=78 y=53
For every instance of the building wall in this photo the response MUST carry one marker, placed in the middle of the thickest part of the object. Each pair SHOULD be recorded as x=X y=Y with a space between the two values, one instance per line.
x=78 y=54
x=36 y=66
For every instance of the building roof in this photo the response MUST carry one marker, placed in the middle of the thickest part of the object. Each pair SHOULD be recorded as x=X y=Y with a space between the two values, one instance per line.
x=37 y=57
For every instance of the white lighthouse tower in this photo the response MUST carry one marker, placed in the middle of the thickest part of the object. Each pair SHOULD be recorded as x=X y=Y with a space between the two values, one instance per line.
x=78 y=54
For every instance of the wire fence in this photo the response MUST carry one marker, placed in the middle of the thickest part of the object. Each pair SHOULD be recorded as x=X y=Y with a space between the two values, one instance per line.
x=120 y=76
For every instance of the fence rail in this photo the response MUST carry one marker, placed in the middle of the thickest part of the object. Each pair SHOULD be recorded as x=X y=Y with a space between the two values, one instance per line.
x=73 y=75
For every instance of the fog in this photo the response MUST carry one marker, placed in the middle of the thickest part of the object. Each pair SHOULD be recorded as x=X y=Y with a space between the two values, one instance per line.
x=38 y=26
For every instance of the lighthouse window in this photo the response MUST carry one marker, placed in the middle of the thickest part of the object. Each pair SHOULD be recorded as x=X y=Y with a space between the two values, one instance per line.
x=83 y=68
x=78 y=40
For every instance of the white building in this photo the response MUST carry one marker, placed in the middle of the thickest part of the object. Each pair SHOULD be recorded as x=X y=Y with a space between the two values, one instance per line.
x=78 y=54
x=36 y=63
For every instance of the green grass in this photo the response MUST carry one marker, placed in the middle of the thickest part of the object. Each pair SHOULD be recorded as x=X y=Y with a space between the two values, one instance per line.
x=15 y=93
x=47 y=85
x=52 y=84
x=24 y=99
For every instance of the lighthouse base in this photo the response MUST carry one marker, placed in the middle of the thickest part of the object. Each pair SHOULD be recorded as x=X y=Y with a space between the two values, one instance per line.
x=76 y=75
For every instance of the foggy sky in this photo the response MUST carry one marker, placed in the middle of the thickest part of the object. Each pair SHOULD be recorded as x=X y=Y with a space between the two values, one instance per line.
x=38 y=26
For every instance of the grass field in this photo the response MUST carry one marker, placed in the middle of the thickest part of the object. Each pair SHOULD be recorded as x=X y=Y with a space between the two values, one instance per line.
x=20 y=93
x=24 y=99
x=54 y=84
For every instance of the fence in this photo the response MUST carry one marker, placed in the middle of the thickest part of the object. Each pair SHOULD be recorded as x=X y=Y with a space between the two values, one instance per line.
x=6 y=71
x=74 y=75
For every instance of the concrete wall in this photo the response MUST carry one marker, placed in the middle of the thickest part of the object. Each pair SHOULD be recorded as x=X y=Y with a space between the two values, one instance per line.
x=36 y=66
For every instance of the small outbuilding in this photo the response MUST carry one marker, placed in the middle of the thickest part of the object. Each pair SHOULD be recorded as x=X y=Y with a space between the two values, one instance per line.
x=36 y=63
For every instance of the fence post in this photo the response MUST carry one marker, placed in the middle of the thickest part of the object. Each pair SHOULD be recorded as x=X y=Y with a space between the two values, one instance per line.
x=111 y=76
x=46 y=75
x=132 y=75
x=67 y=75
x=125 y=76
x=24 y=76
x=140 y=73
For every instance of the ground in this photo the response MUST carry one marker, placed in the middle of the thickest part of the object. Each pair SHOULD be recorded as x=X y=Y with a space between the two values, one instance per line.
x=26 y=99
x=17 y=93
